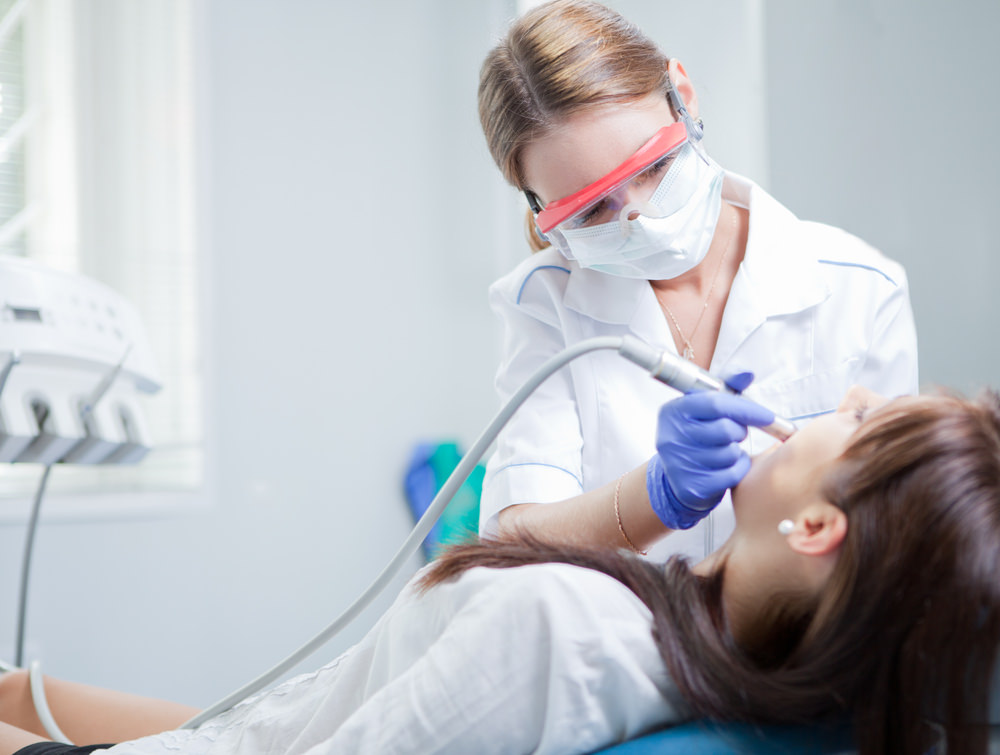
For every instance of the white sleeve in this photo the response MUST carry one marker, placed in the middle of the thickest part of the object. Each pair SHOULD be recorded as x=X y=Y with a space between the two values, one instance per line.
x=890 y=367
x=537 y=458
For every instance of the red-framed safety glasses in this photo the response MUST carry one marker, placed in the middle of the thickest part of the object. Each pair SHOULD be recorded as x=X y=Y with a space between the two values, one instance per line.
x=663 y=142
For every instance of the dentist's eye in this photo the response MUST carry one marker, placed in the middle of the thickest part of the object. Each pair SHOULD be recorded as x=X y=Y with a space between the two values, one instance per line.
x=859 y=412
x=591 y=215
x=654 y=171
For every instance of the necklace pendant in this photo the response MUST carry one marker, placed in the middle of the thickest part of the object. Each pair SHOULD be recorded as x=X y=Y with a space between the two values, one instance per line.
x=688 y=353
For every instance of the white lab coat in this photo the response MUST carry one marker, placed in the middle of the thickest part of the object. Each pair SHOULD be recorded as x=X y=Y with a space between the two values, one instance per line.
x=812 y=310
x=547 y=658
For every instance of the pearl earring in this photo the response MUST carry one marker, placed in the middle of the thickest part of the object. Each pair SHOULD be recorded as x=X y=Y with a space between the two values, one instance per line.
x=785 y=526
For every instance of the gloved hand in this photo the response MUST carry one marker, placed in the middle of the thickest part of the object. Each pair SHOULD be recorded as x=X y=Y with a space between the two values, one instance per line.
x=698 y=457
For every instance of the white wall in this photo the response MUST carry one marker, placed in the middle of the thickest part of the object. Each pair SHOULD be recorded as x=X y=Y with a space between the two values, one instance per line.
x=348 y=210
x=720 y=45
x=352 y=221
x=878 y=117
x=883 y=121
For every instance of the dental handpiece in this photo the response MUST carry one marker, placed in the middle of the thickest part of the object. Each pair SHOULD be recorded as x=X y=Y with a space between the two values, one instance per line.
x=687 y=377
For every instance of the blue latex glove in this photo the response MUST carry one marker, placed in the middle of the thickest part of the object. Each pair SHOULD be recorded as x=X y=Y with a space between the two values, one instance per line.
x=698 y=455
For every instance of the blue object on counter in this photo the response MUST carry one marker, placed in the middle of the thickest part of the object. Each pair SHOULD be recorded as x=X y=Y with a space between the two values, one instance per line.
x=430 y=465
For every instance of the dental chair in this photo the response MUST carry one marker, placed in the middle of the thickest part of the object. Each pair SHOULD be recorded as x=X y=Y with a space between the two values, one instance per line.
x=701 y=738
x=705 y=738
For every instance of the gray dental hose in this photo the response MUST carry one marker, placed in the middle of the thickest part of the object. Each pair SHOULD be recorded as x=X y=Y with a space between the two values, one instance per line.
x=668 y=368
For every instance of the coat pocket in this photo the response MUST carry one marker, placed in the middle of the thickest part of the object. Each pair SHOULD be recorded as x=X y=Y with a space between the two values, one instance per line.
x=809 y=396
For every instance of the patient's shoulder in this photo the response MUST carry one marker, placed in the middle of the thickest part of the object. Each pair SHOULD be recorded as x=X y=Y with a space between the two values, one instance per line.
x=557 y=589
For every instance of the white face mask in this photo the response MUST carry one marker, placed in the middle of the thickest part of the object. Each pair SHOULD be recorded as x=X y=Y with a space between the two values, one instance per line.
x=672 y=231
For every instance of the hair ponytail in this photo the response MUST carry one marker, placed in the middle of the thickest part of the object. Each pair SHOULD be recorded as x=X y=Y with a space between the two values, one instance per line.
x=535 y=239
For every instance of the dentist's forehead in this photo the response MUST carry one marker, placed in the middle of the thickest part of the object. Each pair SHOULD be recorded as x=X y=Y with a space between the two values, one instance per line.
x=589 y=145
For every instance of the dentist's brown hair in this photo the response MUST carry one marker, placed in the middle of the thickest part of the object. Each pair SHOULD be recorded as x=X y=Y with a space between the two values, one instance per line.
x=560 y=58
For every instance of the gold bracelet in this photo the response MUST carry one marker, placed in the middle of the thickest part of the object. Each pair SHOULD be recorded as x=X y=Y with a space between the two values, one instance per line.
x=618 y=516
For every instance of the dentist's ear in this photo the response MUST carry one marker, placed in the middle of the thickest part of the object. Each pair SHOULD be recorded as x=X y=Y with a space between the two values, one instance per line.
x=818 y=530
x=679 y=78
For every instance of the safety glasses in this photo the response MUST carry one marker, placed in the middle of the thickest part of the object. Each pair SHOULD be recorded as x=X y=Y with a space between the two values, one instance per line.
x=634 y=180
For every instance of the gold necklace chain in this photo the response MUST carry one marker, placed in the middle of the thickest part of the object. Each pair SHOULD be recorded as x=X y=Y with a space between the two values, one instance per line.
x=688 y=352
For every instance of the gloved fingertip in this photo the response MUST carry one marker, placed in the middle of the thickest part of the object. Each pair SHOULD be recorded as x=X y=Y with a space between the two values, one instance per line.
x=760 y=416
x=740 y=381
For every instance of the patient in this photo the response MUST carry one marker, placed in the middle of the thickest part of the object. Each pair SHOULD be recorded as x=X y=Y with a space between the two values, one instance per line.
x=877 y=600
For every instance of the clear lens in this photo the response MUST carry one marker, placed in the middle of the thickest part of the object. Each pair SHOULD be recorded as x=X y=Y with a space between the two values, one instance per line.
x=601 y=229
x=637 y=190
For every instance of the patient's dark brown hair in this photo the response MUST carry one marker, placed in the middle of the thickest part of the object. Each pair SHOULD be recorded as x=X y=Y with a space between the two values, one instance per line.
x=907 y=628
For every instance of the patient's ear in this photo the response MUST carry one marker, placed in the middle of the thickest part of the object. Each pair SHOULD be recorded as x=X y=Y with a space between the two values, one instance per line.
x=819 y=530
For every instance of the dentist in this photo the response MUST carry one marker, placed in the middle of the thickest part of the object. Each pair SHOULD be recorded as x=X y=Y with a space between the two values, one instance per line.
x=636 y=230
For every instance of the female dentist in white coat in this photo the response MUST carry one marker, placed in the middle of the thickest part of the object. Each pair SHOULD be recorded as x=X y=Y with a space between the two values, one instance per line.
x=638 y=231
